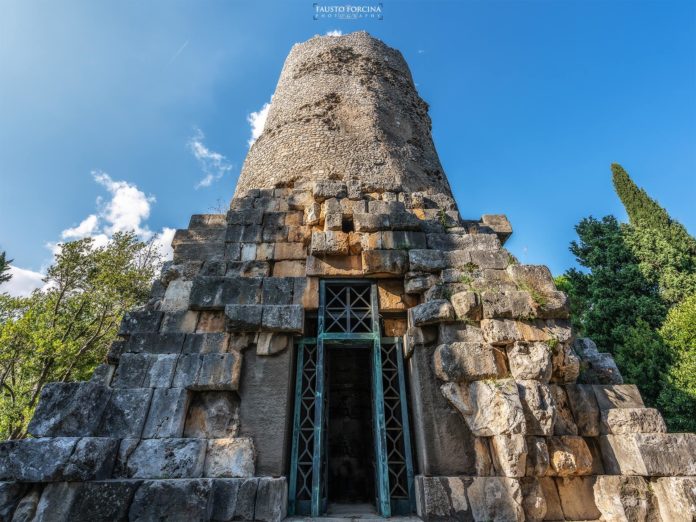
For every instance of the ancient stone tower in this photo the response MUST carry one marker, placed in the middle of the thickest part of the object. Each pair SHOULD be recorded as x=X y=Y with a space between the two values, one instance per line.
x=342 y=340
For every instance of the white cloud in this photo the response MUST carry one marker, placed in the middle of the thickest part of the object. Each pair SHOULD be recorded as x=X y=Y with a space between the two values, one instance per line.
x=128 y=206
x=127 y=210
x=84 y=229
x=213 y=164
x=23 y=282
x=335 y=32
x=257 y=120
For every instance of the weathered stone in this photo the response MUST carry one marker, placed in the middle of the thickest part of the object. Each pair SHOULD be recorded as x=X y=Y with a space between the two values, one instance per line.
x=175 y=500
x=330 y=243
x=484 y=462
x=499 y=224
x=577 y=498
x=466 y=305
x=10 y=495
x=676 y=497
x=56 y=499
x=566 y=364
x=229 y=458
x=537 y=277
x=490 y=259
x=234 y=499
x=370 y=222
x=624 y=498
x=442 y=498
x=312 y=214
x=176 y=298
x=418 y=282
x=632 y=420
x=507 y=331
x=456 y=332
x=101 y=501
x=533 y=501
x=509 y=455
x=283 y=318
x=35 y=460
x=277 y=290
x=243 y=318
x=212 y=415
x=496 y=499
x=649 y=454
x=271 y=499
x=465 y=362
x=454 y=241
x=206 y=343
x=341 y=266
x=530 y=361
x=26 y=508
x=92 y=459
x=583 y=404
x=324 y=190
x=618 y=396
x=393 y=262
x=211 y=322
x=598 y=368
x=511 y=304
x=426 y=260
x=569 y=455
x=489 y=407
x=169 y=343
x=537 y=457
x=431 y=312
x=391 y=296
x=183 y=321
x=69 y=409
x=538 y=407
x=213 y=293
x=166 y=458
x=140 y=321
x=167 y=413
x=145 y=370
x=564 y=423
x=270 y=342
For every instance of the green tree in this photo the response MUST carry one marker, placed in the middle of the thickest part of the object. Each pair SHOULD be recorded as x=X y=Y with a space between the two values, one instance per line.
x=615 y=305
x=4 y=268
x=64 y=331
x=665 y=250
x=678 y=397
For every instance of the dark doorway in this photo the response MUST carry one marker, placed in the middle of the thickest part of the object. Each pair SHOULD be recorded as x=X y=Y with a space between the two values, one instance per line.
x=350 y=445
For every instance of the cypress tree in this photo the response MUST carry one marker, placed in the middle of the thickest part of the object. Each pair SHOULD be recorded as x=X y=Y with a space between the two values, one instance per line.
x=665 y=250
x=4 y=268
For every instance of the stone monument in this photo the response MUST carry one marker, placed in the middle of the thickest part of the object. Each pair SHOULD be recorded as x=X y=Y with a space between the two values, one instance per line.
x=342 y=339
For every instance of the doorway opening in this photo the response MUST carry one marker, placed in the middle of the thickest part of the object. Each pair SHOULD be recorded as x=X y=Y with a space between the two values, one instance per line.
x=351 y=464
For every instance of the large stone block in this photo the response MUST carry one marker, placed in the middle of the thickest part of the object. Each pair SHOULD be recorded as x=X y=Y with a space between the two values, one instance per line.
x=632 y=420
x=577 y=498
x=155 y=343
x=649 y=454
x=167 y=413
x=507 y=331
x=537 y=457
x=244 y=318
x=530 y=361
x=335 y=266
x=442 y=498
x=598 y=368
x=234 y=499
x=140 y=321
x=165 y=459
x=212 y=414
x=172 y=500
x=496 y=499
x=569 y=455
x=213 y=293
x=271 y=499
x=467 y=305
x=533 y=500
x=176 y=297
x=444 y=443
x=432 y=312
x=330 y=243
x=564 y=423
x=391 y=262
x=229 y=458
x=625 y=498
x=511 y=304
x=10 y=495
x=454 y=241
x=488 y=407
x=538 y=407
x=583 y=404
x=69 y=409
x=99 y=501
x=370 y=222
x=426 y=260
x=618 y=396
x=465 y=362
x=283 y=318
x=676 y=498
x=509 y=455
x=35 y=460
x=92 y=459
x=265 y=411
x=145 y=370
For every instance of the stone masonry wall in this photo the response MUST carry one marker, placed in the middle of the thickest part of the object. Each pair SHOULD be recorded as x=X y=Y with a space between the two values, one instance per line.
x=189 y=417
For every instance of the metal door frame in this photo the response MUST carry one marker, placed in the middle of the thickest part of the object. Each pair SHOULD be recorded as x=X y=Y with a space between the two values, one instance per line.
x=385 y=504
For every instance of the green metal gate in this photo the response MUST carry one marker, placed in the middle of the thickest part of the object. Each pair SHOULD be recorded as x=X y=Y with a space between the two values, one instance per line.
x=349 y=315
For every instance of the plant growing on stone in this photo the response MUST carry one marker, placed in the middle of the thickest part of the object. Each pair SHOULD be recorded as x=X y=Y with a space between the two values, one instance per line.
x=64 y=331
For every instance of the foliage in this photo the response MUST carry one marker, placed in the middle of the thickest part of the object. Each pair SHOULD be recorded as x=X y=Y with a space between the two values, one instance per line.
x=4 y=268
x=614 y=304
x=63 y=332
x=678 y=398
x=665 y=250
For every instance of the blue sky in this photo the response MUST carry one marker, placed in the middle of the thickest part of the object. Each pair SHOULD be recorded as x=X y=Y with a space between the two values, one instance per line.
x=112 y=113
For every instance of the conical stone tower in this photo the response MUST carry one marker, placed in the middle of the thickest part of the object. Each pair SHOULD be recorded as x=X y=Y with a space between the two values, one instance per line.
x=343 y=337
